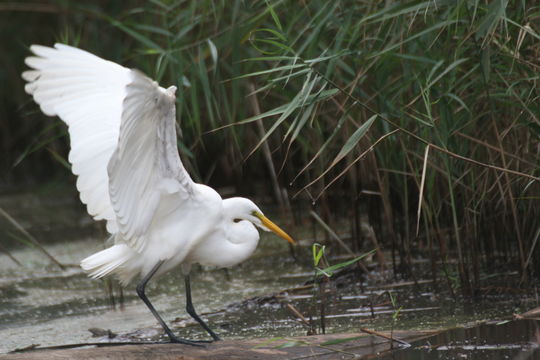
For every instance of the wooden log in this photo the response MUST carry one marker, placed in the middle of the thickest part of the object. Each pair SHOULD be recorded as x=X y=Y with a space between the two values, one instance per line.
x=312 y=347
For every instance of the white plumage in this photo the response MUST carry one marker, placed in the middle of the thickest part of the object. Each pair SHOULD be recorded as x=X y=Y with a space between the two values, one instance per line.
x=124 y=153
x=86 y=92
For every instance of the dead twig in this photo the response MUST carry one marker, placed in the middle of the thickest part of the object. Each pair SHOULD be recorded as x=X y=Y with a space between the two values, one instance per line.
x=32 y=239
x=299 y=315
x=8 y=254
x=331 y=232
x=376 y=333
x=266 y=148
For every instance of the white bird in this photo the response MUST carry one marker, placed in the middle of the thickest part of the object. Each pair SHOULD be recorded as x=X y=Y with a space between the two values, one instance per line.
x=125 y=156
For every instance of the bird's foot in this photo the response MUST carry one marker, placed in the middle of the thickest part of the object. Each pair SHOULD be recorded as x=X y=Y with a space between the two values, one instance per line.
x=215 y=338
x=177 y=340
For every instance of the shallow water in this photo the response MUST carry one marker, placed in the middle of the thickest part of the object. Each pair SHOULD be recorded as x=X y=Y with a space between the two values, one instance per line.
x=516 y=340
x=41 y=304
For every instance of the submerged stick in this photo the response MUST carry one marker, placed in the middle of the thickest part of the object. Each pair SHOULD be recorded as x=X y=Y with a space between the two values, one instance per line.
x=32 y=239
x=8 y=254
x=331 y=232
x=36 y=347
x=299 y=315
x=376 y=333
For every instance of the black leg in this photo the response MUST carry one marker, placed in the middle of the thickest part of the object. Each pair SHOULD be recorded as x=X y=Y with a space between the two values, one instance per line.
x=191 y=310
x=140 y=291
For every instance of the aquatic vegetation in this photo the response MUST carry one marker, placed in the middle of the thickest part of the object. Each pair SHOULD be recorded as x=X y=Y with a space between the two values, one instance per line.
x=417 y=122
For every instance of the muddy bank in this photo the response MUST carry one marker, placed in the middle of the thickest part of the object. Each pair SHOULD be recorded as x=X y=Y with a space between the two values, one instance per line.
x=314 y=347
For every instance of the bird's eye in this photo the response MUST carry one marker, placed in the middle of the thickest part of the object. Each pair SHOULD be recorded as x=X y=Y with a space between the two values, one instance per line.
x=237 y=220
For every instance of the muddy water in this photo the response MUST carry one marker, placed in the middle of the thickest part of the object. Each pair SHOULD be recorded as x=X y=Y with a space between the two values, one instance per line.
x=516 y=340
x=41 y=304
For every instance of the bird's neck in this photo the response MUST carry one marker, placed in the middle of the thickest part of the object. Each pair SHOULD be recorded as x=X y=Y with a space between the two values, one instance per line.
x=234 y=244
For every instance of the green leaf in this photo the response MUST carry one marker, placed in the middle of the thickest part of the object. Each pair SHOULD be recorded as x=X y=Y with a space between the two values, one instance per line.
x=459 y=100
x=396 y=313
x=277 y=44
x=153 y=29
x=274 y=15
x=277 y=34
x=38 y=145
x=141 y=38
x=289 y=76
x=292 y=106
x=327 y=142
x=267 y=342
x=420 y=59
x=446 y=71
x=353 y=140
x=486 y=62
x=60 y=158
x=298 y=124
x=318 y=252
x=301 y=99
x=341 y=341
x=495 y=12
x=271 y=58
x=392 y=299
x=435 y=27
x=281 y=109
x=277 y=40
x=291 y=344
x=329 y=57
x=269 y=71
x=329 y=271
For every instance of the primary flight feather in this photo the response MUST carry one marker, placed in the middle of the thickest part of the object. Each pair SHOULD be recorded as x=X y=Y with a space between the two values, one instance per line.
x=124 y=154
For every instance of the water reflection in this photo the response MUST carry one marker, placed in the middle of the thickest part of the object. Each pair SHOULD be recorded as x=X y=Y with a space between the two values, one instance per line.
x=40 y=304
x=516 y=340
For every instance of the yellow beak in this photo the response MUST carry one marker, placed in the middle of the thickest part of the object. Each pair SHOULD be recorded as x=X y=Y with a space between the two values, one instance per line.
x=274 y=228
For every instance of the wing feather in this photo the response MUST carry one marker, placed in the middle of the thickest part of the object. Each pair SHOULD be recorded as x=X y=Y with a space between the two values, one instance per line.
x=122 y=135
x=86 y=92
x=145 y=165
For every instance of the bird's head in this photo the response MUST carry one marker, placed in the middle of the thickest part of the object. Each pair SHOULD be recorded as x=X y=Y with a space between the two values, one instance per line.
x=245 y=209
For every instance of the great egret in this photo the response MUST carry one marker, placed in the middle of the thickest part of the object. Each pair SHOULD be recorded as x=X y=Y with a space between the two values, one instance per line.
x=124 y=153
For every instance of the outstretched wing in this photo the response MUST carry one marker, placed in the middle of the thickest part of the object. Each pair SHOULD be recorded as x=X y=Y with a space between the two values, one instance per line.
x=145 y=168
x=86 y=92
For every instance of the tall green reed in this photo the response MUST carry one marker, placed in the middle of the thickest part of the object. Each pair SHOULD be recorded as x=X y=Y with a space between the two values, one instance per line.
x=422 y=115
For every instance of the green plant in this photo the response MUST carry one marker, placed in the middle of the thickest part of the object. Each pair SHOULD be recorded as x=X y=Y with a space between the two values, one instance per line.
x=428 y=102
x=395 y=314
x=421 y=116
x=322 y=275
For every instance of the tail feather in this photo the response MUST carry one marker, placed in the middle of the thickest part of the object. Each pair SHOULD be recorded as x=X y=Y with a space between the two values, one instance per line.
x=106 y=261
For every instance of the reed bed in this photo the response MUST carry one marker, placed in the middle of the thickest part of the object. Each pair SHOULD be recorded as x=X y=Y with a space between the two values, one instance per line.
x=417 y=121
